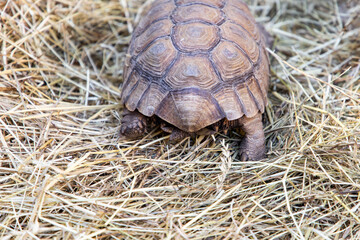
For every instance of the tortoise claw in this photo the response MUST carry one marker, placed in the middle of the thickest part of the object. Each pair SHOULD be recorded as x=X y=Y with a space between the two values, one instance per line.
x=250 y=151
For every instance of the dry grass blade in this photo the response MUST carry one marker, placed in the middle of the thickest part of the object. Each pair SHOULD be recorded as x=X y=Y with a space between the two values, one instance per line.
x=66 y=174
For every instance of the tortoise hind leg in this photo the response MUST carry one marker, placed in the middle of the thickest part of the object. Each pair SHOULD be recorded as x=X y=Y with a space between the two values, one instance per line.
x=252 y=146
x=133 y=124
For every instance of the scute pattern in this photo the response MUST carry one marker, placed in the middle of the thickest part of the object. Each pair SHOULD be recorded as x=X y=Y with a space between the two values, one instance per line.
x=194 y=62
x=158 y=57
x=199 y=13
x=151 y=99
x=229 y=102
x=127 y=69
x=157 y=30
x=240 y=17
x=159 y=11
x=181 y=109
x=239 y=5
x=129 y=84
x=136 y=94
x=262 y=73
x=214 y=3
x=230 y=61
x=242 y=38
x=192 y=71
x=195 y=36
x=255 y=91
x=248 y=106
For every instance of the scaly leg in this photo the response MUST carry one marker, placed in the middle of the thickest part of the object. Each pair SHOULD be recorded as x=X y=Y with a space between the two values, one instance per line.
x=133 y=124
x=252 y=146
x=176 y=135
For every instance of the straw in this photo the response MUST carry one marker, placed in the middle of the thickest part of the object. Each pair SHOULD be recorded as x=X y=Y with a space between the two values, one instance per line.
x=65 y=172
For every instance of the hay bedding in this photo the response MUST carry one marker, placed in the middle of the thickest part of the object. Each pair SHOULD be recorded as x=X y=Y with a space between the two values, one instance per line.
x=66 y=174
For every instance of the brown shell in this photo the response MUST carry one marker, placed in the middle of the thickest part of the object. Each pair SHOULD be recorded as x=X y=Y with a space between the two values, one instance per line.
x=195 y=62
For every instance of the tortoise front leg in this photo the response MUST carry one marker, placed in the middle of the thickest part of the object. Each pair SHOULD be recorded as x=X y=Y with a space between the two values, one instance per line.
x=176 y=135
x=133 y=124
x=252 y=146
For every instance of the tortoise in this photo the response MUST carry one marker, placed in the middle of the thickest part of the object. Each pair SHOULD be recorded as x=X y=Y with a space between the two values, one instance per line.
x=198 y=66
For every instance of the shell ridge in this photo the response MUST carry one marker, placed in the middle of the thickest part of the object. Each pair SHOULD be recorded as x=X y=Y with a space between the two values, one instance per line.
x=143 y=95
x=132 y=105
x=242 y=105
x=131 y=90
x=152 y=98
x=240 y=48
x=259 y=88
x=148 y=25
x=126 y=82
x=199 y=3
x=148 y=45
x=195 y=21
x=235 y=23
x=215 y=68
x=254 y=99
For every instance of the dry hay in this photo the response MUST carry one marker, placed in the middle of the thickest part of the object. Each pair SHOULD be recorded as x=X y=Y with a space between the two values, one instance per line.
x=66 y=174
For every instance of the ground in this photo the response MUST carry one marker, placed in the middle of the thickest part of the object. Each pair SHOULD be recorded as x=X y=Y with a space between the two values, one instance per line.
x=65 y=172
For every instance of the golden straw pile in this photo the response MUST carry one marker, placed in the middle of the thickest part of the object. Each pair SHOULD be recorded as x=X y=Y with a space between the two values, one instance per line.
x=65 y=173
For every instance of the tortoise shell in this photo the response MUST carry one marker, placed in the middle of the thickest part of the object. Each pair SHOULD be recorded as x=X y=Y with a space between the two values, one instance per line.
x=195 y=62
